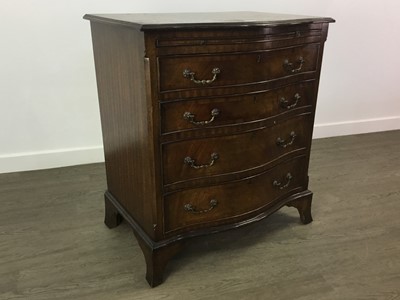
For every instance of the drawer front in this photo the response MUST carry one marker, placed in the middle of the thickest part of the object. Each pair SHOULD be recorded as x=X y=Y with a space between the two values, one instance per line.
x=235 y=40
x=196 y=208
x=188 y=72
x=197 y=158
x=212 y=112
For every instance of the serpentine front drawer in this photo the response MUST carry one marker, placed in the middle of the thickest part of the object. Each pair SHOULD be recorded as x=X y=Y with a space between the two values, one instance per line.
x=186 y=72
x=213 y=156
x=226 y=111
x=237 y=200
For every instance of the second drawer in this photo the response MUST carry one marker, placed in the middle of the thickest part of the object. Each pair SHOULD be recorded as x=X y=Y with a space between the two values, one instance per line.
x=197 y=158
x=214 y=112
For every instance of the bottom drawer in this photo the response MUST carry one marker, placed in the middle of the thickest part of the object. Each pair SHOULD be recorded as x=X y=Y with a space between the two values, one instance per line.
x=233 y=201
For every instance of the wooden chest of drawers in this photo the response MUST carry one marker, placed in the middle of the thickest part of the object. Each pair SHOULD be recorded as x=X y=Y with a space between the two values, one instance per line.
x=207 y=121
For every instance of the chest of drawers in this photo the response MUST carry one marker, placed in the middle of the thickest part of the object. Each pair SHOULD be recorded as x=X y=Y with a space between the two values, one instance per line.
x=207 y=121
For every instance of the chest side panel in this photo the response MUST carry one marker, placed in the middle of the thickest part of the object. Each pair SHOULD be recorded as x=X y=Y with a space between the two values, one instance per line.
x=126 y=119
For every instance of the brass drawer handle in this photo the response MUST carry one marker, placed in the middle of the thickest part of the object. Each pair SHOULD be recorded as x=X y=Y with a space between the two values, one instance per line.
x=282 y=143
x=291 y=67
x=192 y=209
x=285 y=103
x=189 y=74
x=191 y=162
x=282 y=186
x=188 y=116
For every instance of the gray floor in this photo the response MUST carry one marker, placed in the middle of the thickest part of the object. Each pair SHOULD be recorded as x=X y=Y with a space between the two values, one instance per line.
x=54 y=245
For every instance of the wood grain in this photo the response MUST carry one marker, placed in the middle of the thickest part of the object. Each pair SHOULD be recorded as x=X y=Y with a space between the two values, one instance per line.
x=235 y=69
x=236 y=153
x=54 y=245
x=236 y=109
x=208 y=20
x=236 y=200
x=126 y=121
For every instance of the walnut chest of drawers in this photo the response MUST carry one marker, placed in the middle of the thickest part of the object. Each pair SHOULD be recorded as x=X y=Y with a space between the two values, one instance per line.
x=207 y=121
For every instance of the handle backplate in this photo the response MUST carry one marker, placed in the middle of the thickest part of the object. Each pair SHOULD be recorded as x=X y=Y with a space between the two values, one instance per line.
x=192 y=163
x=188 y=116
x=187 y=73
x=285 y=103
x=280 y=184
x=283 y=143
x=293 y=67
x=192 y=209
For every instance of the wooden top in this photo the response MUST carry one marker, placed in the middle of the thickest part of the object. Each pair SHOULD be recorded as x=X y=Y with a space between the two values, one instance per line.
x=147 y=21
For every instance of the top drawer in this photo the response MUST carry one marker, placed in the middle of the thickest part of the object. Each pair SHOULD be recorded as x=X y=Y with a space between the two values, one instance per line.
x=235 y=40
x=207 y=71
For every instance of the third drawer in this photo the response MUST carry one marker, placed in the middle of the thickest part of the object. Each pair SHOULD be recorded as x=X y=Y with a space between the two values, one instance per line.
x=191 y=159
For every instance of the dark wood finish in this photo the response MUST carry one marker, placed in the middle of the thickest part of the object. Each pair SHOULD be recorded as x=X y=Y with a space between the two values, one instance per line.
x=112 y=217
x=172 y=178
x=303 y=205
x=236 y=40
x=234 y=150
x=157 y=258
x=235 y=69
x=236 y=109
x=237 y=200
x=209 y=20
